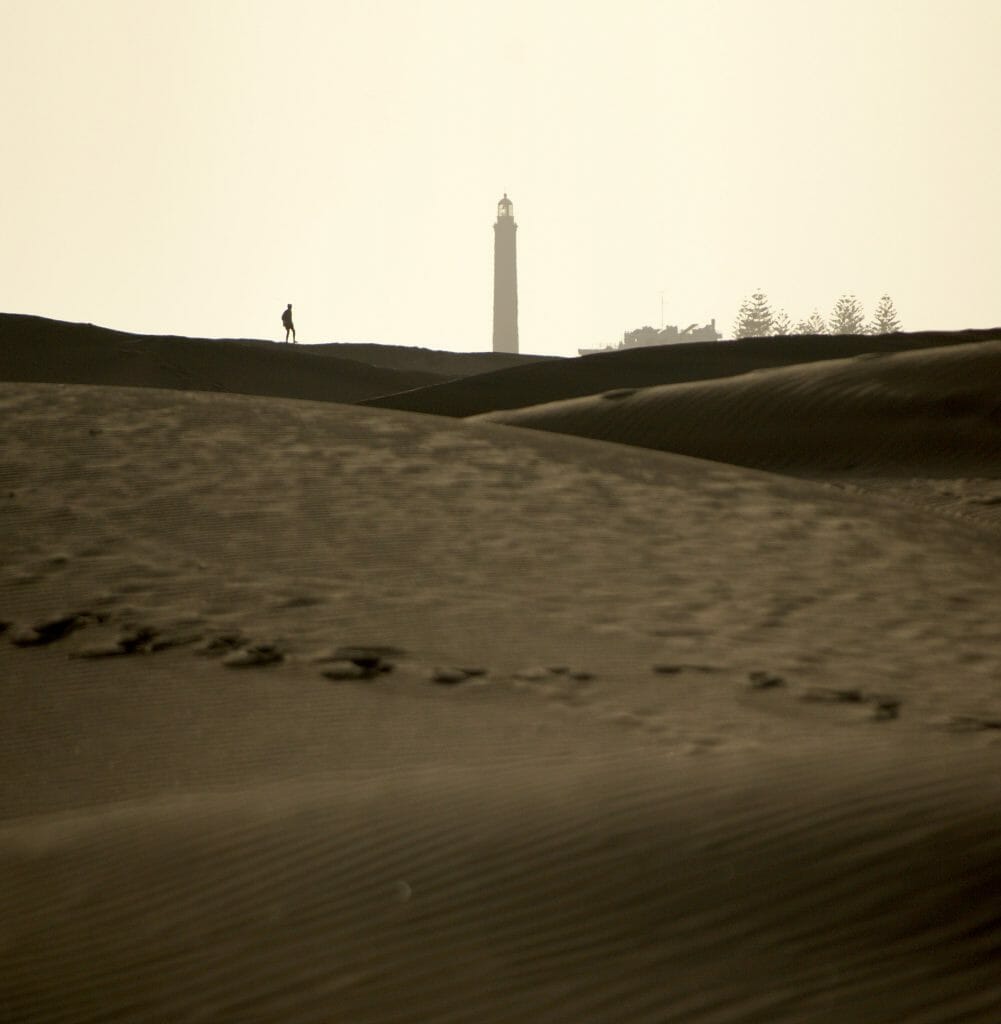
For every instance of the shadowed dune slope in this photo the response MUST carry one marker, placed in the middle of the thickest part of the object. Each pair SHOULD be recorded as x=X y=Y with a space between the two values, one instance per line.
x=446 y=365
x=931 y=412
x=608 y=821
x=36 y=349
x=645 y=367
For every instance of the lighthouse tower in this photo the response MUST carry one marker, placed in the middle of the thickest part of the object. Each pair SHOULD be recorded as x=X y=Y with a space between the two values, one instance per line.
x=505 y=279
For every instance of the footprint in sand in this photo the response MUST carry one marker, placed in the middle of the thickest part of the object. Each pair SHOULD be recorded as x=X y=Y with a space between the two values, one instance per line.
x=346 y=670
x=48 y=631
x=132 y=637
x=832 y=695
x=674 y=669
x=885 y=708
x=222 y=644
x=254 y=655
x=359 y=662
x=970 y=723
x=765 y=680
x=538 y=674
x=138 y=640
x=450 y=675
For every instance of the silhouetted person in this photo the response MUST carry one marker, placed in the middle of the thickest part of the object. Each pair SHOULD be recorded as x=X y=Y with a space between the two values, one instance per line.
x=287 y=323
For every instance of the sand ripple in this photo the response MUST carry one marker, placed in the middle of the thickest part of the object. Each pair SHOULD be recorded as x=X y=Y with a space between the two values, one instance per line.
x=817 y=888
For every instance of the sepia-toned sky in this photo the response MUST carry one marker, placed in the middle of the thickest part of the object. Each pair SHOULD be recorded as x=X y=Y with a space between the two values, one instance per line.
x=190 y=166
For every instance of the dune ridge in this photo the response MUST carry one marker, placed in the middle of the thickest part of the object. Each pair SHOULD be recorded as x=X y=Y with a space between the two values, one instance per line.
x=42 y=350
x=540 y=383
x=913 y=425
x=446 y=365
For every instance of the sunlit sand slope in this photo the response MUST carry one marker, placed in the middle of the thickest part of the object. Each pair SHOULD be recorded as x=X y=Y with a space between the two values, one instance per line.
x=645 y=367
x=937 y=410
x=641 y=737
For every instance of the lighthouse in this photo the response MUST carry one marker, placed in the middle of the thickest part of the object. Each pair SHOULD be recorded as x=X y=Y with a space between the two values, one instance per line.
x=505 y=279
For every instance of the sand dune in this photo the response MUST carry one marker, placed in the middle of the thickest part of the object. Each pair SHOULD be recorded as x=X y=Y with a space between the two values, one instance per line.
x=937 y=409
x=787 y=889
x=923 y=425
x=445 y=365
x=646 y=367
x=37 y=349
x=726 y=749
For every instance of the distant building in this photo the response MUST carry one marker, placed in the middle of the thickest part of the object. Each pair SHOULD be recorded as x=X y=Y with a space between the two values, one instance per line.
x=505 y=279
x=644 y=337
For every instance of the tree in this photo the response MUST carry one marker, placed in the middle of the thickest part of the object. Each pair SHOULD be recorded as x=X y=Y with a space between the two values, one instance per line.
x=884 y=320
x=754 y=320
x=847 y=316
x=814 y=324
x=781 y=324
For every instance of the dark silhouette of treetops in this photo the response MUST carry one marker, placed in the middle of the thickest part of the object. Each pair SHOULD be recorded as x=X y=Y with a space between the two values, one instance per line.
x=755 y=319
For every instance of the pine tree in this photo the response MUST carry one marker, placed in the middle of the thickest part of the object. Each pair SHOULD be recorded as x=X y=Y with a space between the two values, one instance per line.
x=754 y=320
x=781 y=324
x=847 y=316
x=814 y=324
x=884 y=320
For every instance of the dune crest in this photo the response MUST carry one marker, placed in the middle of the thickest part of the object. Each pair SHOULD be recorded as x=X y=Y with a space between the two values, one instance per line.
x=42 y=350
x=559 y=380
x=898 y=421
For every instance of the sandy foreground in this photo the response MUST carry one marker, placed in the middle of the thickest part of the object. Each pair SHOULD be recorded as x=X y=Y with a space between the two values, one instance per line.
x=708 y=744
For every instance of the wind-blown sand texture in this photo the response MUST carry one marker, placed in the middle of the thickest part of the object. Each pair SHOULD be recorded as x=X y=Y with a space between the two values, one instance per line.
x=317 y=712
x=555 y=380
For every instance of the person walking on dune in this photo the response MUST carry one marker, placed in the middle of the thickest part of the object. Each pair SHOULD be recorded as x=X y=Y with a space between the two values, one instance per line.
x=287 y=323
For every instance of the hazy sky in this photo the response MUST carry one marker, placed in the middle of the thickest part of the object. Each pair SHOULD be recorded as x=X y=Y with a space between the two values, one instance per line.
x=190 y=166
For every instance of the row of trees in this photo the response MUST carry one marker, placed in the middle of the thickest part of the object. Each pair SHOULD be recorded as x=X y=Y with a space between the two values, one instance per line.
x=756 y=319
